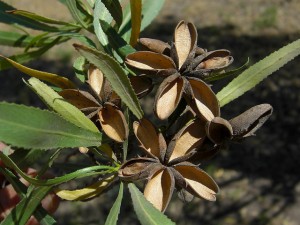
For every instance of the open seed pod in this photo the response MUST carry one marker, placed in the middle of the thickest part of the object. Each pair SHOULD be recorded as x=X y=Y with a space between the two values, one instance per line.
x=218 y=130
x=249 y=121
x=202 y=99
x=154 y=45
x=159 y=189
x=185 y=39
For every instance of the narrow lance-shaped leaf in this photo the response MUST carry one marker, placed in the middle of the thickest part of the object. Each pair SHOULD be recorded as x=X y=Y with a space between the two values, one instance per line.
x=101 y=13
x=21 y=20
x=114 y=212
x=59 y=81
x=78 y=13
x=19 y=40
x=29 y=127
x=87 y=192
x=115 y=9
x=80 y=173
x=61 y=106
x=259 y=71
x=116 y=76
x=28 y=56
x=136 y=19
x=41 y=18
x=147 y=214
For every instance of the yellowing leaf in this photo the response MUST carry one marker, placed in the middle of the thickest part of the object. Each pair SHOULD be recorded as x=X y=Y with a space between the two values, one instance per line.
x=86 y=193
x=54 y=79
x=136 y=19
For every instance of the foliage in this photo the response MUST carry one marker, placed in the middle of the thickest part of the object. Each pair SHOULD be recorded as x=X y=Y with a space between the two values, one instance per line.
x=118 y=68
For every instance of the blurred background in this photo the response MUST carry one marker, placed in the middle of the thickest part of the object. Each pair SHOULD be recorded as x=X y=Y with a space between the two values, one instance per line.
x=258 y=178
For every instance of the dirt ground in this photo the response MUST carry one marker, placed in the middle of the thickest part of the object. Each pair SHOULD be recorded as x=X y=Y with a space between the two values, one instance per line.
x=259 y=179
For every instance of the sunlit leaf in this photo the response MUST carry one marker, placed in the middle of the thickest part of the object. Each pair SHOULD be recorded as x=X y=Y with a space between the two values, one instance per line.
x=114 y=212
x=116 y=76
x=29 y=127
x=87 y=192
x=146 y=213
x=259 y=71
x=61 y=106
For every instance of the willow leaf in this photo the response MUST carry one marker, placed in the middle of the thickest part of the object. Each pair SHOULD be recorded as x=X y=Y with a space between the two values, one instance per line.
x=136 y=19
x=59 y=81
x=19 y=40
x=145 y=211
x=43 y=19
x=78 y=13
x=115 y=10
x=114 y=212
x=28 y=56
x=61 y=106
x=259 y=71
x=116 y=76
x=101 y=13
x=29 y=127
x=87 y=192
x=85 y=172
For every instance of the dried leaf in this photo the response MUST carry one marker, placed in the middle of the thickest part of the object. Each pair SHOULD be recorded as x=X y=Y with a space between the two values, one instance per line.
x=96 y=80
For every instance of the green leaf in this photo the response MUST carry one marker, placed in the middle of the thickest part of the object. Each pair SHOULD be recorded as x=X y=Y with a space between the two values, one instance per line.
x=78 y=66
x=218 y=76
x=259 y=71
x=43 y=19
x=59 y=81
x=29 y=127
x=40 y=214
x=101 y=13
x=21 y=20
x=145 y=211
x=116 y=41
x=115 y=10
x=114 y=212
x=19 y=40
x=116 y=76
x=28 y=56
x=85 y=172
x=150 y=10
x=61 y=106
x=78 y=13
x=136 y=19
x=26 y=207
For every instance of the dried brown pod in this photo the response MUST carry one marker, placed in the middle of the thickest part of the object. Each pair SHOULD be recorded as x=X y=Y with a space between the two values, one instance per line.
x=103 y=103
x=166 y=166
x=181 y=64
